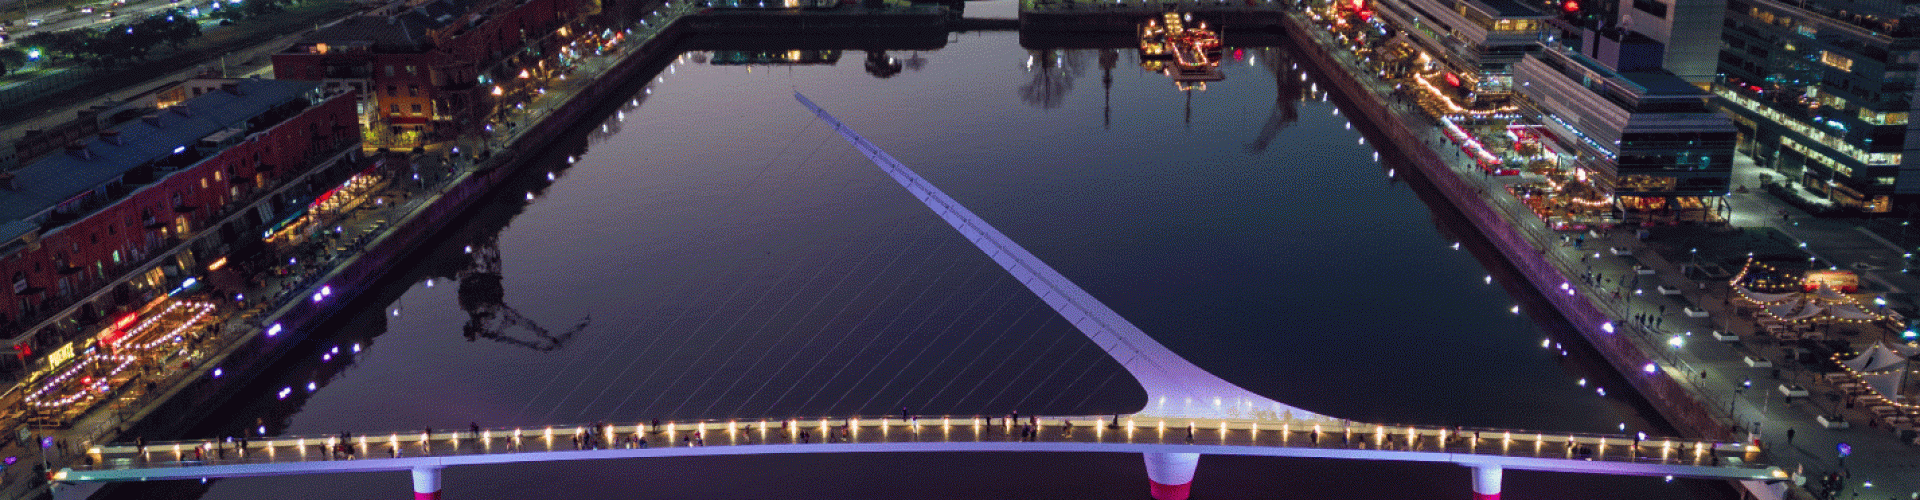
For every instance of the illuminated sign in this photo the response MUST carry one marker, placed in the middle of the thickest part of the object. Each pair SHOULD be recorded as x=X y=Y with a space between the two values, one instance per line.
x=125 y=321
x=1453 y=79
x=60 y=355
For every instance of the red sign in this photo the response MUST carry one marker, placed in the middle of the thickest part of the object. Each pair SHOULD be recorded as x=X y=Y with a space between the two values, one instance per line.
x=1453 y=79
x=1571 y=6
x=125 y=321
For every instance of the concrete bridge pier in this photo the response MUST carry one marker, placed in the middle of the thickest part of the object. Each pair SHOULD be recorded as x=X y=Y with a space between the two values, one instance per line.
x=426 y=483
x=1486 y=482
x=1171 y=474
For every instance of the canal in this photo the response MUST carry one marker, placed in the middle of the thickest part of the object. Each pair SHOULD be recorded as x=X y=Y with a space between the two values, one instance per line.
x=716 y=253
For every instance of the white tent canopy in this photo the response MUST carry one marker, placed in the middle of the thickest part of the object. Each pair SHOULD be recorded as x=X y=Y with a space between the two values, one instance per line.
x=1794 y=310
x=1887 y=384
x=1852 y=312
x=1764 y=298
x=1876 y=358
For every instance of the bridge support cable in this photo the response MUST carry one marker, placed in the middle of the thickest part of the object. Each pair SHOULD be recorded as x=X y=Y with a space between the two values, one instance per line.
x=1174 y=386
x=819 y=270
x=927 y=346
x=759 y=177
x=945 y=299
x=862 y=326
x=672 y=387
x=804 y=348
x=700 y=361
x=1170 y=475
x=821 y=357
x=977 y=356
x=1486 y=482
x=981 y=381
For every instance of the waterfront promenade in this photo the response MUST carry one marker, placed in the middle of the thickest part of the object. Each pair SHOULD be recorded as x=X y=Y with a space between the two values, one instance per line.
x=449 y=178
x=1743 y=401
x=1698 y=352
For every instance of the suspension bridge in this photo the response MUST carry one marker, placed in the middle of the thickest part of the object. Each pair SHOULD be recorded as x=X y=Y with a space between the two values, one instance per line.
x=1189 y=412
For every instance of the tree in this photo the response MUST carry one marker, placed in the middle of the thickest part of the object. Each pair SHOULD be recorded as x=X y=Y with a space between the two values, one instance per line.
x=12 y=59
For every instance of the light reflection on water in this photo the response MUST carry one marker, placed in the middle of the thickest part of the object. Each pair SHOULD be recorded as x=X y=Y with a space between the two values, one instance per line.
x=738 y=260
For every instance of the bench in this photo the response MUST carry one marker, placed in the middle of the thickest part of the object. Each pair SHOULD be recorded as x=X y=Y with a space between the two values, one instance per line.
x=1694 y=313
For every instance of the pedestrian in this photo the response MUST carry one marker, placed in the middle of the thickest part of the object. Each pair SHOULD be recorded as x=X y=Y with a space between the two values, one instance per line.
x=475 y=426
x=656 y=425
x=1789 y=436
x=904 y=414
x=1663 y=309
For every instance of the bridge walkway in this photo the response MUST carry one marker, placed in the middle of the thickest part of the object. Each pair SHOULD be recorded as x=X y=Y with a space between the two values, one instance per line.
x=1324 y=438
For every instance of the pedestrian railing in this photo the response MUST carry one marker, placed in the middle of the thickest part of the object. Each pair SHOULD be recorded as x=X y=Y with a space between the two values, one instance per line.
x=1296 y=433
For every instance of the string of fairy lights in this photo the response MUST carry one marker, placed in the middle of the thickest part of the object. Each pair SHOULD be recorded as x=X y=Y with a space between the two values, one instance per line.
x=1873 y=394
x=1775 y=279
x=89 y=385
x=197 y=310
x=122 y=353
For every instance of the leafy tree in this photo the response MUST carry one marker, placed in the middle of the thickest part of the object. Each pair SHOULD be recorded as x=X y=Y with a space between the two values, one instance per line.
x=12 y=59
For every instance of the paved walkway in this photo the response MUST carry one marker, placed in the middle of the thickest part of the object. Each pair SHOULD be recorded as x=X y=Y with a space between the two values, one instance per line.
x=357 y=228
x=1719 y=373
x=1315 y=438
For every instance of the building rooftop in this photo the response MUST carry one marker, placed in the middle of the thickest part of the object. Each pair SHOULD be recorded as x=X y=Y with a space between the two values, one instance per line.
x=1661 y=84
x=402 y=32
x=62 y=176
x=1513 y=8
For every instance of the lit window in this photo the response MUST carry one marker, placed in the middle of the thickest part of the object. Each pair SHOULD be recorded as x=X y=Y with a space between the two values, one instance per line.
x=1839 y=62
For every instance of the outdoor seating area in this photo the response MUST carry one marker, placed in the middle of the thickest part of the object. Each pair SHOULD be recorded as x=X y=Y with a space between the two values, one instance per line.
x=1778 y=310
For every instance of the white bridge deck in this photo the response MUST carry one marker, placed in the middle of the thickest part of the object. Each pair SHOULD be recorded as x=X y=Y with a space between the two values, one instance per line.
x=1578 y=453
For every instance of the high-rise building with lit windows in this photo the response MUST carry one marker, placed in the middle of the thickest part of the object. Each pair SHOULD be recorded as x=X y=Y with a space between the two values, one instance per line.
x=1822 y=91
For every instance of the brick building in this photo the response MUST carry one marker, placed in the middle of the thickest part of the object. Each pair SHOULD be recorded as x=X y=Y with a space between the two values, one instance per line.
x=429 y=70
x=119 y=219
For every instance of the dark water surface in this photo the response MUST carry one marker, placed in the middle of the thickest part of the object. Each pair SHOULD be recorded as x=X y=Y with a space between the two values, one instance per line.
x=732 y=258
